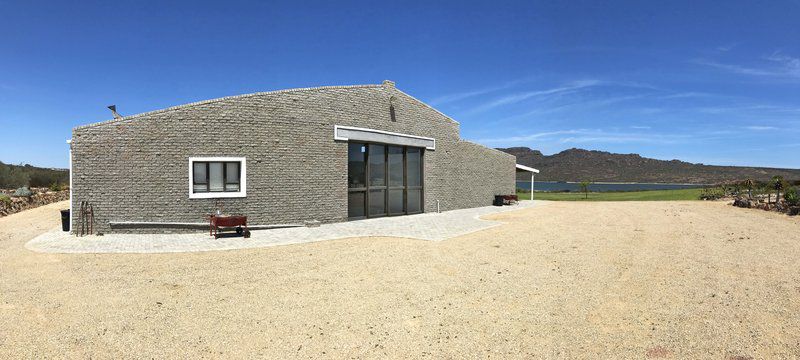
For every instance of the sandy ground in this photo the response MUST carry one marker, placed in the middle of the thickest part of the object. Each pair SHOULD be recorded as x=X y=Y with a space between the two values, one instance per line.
x=567 y=280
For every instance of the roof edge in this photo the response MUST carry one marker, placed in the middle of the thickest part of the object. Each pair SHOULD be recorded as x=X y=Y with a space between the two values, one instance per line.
x=527 y=168
x=209 y=101
x=426 y=105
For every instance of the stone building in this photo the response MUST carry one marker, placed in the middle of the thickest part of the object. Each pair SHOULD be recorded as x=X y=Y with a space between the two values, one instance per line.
x=324 y=154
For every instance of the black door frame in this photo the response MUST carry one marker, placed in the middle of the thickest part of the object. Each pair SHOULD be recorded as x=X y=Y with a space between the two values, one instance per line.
x=386 y=187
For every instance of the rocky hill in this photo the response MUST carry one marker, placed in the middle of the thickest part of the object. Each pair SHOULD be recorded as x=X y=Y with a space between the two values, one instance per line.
x=579 y=164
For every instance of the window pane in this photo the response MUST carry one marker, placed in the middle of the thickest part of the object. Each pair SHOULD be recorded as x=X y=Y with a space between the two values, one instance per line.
x=215 y=176
x=414 y=167
x=414 y=201
x=232 y=173
x=199 y=176
x=355 y=204
x=200 y=188
x=232 y=187
x=395 y=166
x=377 y=202
x=377 y=165
x=356 y=167
x=396 y=202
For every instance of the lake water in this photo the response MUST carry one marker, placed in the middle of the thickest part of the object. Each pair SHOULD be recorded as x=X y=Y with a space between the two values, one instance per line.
x=600 y=187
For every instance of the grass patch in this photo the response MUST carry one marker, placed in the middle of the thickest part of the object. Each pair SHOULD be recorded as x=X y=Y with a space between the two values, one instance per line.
x=649 y=195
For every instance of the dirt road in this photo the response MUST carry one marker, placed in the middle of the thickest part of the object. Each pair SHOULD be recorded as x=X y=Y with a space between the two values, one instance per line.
x=567 y=280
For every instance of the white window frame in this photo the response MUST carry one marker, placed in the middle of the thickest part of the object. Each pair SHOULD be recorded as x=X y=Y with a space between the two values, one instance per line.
x=218 y=195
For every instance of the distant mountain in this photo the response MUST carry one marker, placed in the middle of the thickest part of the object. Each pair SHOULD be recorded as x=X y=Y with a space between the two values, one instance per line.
x=579 y=164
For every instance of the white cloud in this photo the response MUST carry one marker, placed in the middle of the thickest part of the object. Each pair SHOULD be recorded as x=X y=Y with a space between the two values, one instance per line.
x=790 y=65
x=521 y=96
x=782 y=66
x=760 y=128
x=586 y=136
x=529 y=137
x=726 y=48
x=468 y=94
x=688 y=94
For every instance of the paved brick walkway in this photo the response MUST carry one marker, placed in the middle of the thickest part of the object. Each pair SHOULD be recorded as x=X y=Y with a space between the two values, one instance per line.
x=429 y=226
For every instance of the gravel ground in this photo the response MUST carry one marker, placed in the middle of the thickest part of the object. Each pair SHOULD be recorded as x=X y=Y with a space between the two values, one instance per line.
x=567 y=280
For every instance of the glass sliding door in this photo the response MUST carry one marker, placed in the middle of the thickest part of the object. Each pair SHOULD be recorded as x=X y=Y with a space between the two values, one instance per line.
x=414 y=178
x=397 y=183
x=384 y=180
x=376 y=154
x=356 y=180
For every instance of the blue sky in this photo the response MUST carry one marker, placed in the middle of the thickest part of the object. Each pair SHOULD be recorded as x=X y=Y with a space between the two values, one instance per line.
x=711 y=82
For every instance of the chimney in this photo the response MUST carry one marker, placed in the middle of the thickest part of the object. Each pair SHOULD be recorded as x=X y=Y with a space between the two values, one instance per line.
x=113 y=109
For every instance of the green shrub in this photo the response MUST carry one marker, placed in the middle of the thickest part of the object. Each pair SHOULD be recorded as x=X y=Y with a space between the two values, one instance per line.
x=5 y=199
x=56 y=187
x=22 y=192
x=791 y=196
x=712 y=193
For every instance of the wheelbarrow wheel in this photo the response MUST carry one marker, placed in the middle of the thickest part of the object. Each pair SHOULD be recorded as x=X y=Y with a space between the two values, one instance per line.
x=239 y=230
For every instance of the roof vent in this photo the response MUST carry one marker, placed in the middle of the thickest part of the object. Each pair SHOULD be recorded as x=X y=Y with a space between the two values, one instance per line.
x=113 y=109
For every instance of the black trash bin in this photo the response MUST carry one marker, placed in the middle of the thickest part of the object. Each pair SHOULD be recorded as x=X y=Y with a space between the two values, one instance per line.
x=498 y=200
x=65 y=220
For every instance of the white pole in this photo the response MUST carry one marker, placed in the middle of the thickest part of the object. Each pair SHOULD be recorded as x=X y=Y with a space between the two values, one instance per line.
x=531 y=186
x=69 y=143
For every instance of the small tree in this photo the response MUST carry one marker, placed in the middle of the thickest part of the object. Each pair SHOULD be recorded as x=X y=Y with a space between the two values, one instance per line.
x=585 y=188
x=749 y=185
x=777 y=184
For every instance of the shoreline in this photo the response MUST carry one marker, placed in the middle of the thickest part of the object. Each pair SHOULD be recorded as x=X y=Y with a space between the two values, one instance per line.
x=615 y=183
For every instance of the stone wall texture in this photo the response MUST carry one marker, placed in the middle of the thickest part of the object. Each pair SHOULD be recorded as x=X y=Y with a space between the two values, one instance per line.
x=137 y=168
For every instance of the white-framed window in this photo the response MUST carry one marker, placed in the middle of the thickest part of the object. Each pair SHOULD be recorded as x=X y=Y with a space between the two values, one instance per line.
x=217 y=177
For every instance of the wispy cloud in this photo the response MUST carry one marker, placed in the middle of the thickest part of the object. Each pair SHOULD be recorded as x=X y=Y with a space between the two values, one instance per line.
x=726 y=48
x=736 y=68
x=779 y=66
x=575 y=105
x=471 y=93
x=529 y=137
x=791 y=65
x=640 y=127
x=522 y=96
x=760 y=128
x=757 y=109
x=689 y=94
x=595 y=136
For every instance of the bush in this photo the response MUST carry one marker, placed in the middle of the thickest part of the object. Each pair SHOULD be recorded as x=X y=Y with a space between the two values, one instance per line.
x=713 y=193
x=56 y=187
x=791 y=197
x=5 y=199
x=22 y=192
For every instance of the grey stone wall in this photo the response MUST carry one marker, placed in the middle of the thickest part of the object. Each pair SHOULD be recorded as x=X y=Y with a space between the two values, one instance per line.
x=137 y=168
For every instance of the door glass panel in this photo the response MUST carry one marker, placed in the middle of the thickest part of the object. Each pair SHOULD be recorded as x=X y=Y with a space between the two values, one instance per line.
x=356 y=167
x=414 y=167
x=414 y=201
x=377 y=202
x=377 y=165
x=395 y=166
x=355 y=204
x=396 y=202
